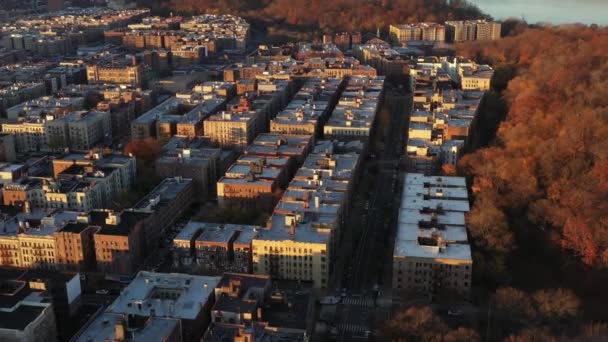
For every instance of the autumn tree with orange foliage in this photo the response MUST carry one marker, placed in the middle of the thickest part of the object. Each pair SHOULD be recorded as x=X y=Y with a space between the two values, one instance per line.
x=329 y=16
x=147 y=149
x=550 y=163
x=422 y=324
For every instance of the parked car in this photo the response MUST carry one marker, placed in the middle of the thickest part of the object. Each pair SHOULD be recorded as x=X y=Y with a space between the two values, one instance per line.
x=454 y=312
x=102 y=292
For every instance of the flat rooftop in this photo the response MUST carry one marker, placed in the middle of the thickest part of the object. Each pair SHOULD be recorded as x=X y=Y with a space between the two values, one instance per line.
x=432 y=220
x=102 y=328
x=304 y=232
x=218 y=234
x=21 y=316
x=453 y=251
x=191 y=229
x=150 y=291
x=165 y=192
x=224 y=332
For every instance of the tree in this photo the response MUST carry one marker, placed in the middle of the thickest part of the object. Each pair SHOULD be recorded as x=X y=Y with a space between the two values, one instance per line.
x=594 y=332
x=416 y=324
x=533 y=334
x=546 y=167
x=461 y=335
x=448 y=169
x=488 y=226
x=556 y=305
x=147 y=149
x=515 y=303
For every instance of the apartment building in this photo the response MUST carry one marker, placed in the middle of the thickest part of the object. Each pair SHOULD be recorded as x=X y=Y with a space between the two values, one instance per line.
x=246 y=306
x=259 y=331
x=46 y=106
x=37 y=243
x=460 y=31
x=176 y=307
x=390 y=62
x=184 y=254
x=232 y=130
x=488 y=31
x=75 y=246
x=14 y=93
x=188 y=55
x=165 y=204
x=417 y=32
x=87 y=129
x=116 y=327
x=78 y=182
x=8 y=151
x=202 y=165
x=432 y=255
x=292 y=249
x=25 y=315
x=182 y=115
x=216 y=248
x=477 y=78
x=295 y=147
x=309 y=108
x=304 y=229
x=120 y=242
x=79 y=131
x=14 y=224
x=125 y=72
x=27 y=136
x=109 y=163
x=252 y=292
x=354 y=115
x=253 y=182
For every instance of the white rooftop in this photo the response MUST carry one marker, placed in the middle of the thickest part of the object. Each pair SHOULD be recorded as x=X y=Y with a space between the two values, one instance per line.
x=432 y=218
x=171 y=295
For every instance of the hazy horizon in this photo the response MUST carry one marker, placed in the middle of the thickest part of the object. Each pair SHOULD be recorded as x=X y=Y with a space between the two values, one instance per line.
x=553 y=11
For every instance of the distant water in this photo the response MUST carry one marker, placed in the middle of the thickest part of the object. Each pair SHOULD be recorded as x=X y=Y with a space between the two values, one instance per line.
x=552 y=11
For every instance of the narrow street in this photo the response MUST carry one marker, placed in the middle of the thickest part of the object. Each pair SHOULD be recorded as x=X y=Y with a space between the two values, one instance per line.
x=366 y=261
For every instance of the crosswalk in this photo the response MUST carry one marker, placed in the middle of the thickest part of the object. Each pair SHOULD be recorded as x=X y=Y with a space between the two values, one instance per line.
x=352 y=328
x=357 y=301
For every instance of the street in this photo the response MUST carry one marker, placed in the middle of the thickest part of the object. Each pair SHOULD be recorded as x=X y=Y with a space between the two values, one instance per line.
x=366 y=254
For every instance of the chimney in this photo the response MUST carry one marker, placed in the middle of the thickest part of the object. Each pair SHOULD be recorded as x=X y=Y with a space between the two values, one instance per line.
x=292 y=228
x=113 y=219
x=119 y=331
x=26 y=207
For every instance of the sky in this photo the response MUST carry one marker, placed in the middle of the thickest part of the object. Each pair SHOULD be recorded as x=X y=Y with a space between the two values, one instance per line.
x=553 y=11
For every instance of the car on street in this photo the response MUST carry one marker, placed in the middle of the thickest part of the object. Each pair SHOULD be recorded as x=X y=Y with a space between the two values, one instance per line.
x=102 y=292
x=330 y=300
x=454 y=312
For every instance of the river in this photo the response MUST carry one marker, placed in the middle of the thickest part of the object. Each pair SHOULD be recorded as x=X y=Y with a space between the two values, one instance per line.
x=552 y=11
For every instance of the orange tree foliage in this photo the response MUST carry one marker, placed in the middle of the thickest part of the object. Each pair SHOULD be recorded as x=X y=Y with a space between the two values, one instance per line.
x=147 y=149
x=422 y=324
x=550 y=162
x=329 y=15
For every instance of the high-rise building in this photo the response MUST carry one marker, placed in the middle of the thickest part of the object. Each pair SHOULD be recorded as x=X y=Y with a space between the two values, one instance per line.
x=467 y=30
x=417 y=32
x=488 y=31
